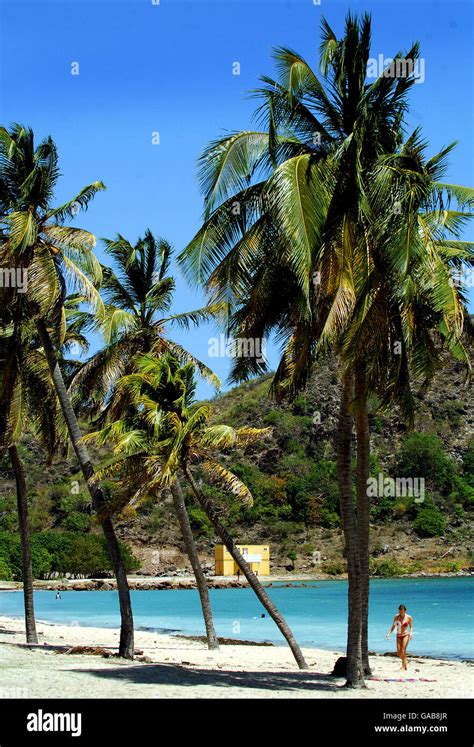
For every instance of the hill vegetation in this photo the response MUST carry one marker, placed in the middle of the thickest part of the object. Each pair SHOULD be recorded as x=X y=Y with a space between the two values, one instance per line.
x=292 y=477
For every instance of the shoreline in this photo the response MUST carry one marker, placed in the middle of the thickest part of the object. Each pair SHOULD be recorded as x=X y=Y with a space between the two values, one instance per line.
x=224 y=641
x=158 y=583
x=176 y=666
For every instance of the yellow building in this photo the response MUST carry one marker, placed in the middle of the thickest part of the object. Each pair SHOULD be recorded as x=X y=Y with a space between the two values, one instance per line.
x=257 y=556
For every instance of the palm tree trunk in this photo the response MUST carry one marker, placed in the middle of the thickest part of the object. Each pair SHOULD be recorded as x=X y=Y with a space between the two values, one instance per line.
x=246 y=570
x=363 y=505
x=186 y=531
x=355 y=677
x=24 y=524
x=126 y=647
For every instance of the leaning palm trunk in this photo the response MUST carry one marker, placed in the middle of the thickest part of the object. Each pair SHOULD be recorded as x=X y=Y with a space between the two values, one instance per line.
x=355 y=677
x=24 y=524
x=186 y=531
x=363 y=507
x=126 y=647
x=246 y=570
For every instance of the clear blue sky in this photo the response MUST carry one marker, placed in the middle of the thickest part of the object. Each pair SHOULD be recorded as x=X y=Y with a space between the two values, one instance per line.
x=168 y=68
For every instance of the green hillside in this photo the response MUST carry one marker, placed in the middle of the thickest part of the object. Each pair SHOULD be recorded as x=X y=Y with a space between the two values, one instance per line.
x=292 y=476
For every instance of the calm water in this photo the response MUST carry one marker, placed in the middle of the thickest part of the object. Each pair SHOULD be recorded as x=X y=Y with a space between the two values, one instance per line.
x=442 y=610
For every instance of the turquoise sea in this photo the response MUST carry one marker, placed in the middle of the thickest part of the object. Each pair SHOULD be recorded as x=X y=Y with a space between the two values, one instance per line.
x=442 y=611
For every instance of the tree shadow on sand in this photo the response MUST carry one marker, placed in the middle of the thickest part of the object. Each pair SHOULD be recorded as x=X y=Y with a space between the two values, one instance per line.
x=174 y=675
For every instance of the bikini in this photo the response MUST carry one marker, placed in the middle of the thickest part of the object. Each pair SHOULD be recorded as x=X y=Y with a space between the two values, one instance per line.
x=402 y=627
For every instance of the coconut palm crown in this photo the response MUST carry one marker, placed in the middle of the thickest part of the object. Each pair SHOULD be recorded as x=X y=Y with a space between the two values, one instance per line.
x=138 y=297
x=163 y=428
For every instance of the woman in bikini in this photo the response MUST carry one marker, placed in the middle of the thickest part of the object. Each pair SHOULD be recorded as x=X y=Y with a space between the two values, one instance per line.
x=402 y=622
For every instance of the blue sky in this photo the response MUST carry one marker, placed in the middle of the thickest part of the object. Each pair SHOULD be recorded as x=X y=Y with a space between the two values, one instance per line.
x=167 y=68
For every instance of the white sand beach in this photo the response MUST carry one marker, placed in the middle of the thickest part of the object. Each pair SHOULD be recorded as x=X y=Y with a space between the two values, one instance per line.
x=177 y=667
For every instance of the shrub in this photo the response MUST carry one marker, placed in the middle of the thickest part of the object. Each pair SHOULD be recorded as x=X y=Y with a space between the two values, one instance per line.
x=386 y=567
x=40 y=559
x=199 y=521
x=334 y=567
x=59 y=545
x=89 y=556
x=381 y=507
x=127 y=514
x=40 y=511
x=468 y=464
x=458 y=511
x=330 y=519
x=272 y=417
x=130 y=560
x=292 y=555
x=401 y=507
x=269 y=493
x=462 y=490
x=300 y=405
x=8 y=514
x=9 y=545
x=430 y=522
x=5 y=570
x=76 y=522
x=452 y=566
x=422 y=455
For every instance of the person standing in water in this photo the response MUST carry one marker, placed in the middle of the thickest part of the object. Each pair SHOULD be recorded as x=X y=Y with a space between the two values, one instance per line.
x=403 y=622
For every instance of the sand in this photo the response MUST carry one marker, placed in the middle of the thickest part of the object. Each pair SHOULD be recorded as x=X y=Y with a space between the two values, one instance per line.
x=185 y=668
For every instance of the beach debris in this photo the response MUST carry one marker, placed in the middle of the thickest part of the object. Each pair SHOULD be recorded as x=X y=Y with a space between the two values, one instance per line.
x=225 y=641
x=91 y=650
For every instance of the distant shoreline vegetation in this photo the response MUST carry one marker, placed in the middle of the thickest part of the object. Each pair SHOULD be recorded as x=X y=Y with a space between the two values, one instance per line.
x=60 y=553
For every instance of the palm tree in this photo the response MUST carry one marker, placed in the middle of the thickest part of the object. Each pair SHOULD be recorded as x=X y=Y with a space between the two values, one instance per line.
x=201 y=583
x=293 y=208
x=55 y=256
x=408 y=302
x=28 y=401
x=138 y=298
x=301 y=221
x=167 y=433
